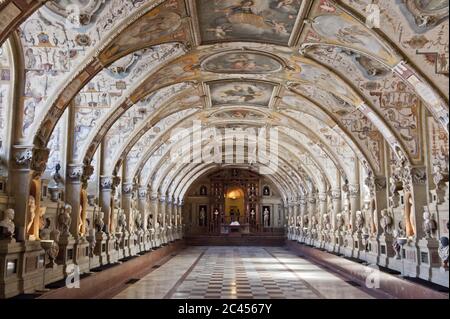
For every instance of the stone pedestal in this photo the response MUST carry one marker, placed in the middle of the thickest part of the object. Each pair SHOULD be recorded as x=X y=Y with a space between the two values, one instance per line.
x=395 y=263
x=141 y=238
x=112 y=251
x=32 y=267
x=157 y=238
x=373 y=253
x=67 y=252
x=163 y=233
x=133 y=246
x=440 y=276
x=122 y=245
x=82 y=254
x=10 y=259
x=348 y=249
x=411 y=262
x=101 y=248
x=429 y=257
x=338 y=243
x=386 y=250
x=170 y=238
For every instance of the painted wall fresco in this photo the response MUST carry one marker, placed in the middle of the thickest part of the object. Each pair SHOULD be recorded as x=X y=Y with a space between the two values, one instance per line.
x=362 y=130
x=139 y=148
x=398 y=104
x=57 y=144
x=241 y=62
x=340 y=29
x=335 y=144
x=438 y=144
x=318 y=161
x=106 y=90
x=129 y=124
x=422 y=35
x=241 y=93
x=5 y=109
x=53 y=49
x=248 y=20
x=238 y=115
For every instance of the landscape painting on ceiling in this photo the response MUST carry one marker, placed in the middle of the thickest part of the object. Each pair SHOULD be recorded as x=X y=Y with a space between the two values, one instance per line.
x=241 y=93
x=242 y=62
x=247 y=20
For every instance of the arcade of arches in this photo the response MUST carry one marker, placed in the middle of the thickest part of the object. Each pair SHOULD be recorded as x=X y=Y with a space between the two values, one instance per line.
x=120 y=125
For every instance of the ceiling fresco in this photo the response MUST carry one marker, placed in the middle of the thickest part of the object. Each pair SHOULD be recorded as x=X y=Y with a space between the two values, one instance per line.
x=241 y=93
x=242 y=62
x=243 y=20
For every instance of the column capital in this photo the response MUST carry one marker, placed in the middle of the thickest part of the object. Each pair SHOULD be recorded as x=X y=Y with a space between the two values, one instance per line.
x=380 y=183
x=336 y=194
x=154 y=196
x=353 y=190
x=88 y=170
x=419 y=175
x=74 y=172
x=22 y=156
x=311 y=199
x=39 y=160
x=142 y=192
x=106 y=182
x=322 y=197
x=127 y=188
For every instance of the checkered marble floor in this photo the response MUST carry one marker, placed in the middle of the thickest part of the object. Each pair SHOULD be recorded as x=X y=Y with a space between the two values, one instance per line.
x=241 y=273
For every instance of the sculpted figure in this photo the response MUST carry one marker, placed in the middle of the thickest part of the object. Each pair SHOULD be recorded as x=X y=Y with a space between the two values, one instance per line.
x=82 y=230
x=32 y=212
x=266 y=218
x=359 y=221
x=408 y=215
x=386 y=222
x=7 y=226
x=99 y=223
x=65 y=219
x=443 y=251
x=429 y=224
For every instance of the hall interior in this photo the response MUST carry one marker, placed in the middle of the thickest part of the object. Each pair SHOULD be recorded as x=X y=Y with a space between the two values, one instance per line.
x=224 y=149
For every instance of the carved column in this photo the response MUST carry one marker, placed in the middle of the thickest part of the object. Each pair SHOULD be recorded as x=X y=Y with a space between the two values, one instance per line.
x=20 y=178
x=106 y=185
x=142 y=202
x=73 y=191
x=311 y=213
x=336 y=198
x=355 y=203
x=127 y=194
x=323 y=200
x=300 y=218
x=154 y=208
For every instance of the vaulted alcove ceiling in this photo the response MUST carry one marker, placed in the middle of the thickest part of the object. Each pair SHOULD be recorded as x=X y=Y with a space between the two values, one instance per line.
x=132 y=72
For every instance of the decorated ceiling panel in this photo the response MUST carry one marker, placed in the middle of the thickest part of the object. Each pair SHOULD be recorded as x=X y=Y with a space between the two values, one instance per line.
x=54 y=47
x=241 y=93
x=247 y=20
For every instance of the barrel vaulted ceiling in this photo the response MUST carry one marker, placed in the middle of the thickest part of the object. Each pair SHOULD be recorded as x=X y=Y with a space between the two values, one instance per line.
x=122 y=76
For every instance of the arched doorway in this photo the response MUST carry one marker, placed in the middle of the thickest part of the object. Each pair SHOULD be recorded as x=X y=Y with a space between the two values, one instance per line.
x=234 y=205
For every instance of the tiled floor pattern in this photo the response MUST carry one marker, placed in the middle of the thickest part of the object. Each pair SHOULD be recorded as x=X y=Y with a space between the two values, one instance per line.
x=240 y=273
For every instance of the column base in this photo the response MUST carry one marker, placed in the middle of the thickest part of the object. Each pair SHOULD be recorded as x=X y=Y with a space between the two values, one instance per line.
x=82 y=255
x=100 y=250
x=429 y=258
x=112 y=254
x=386 y=250
x=11 y=253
